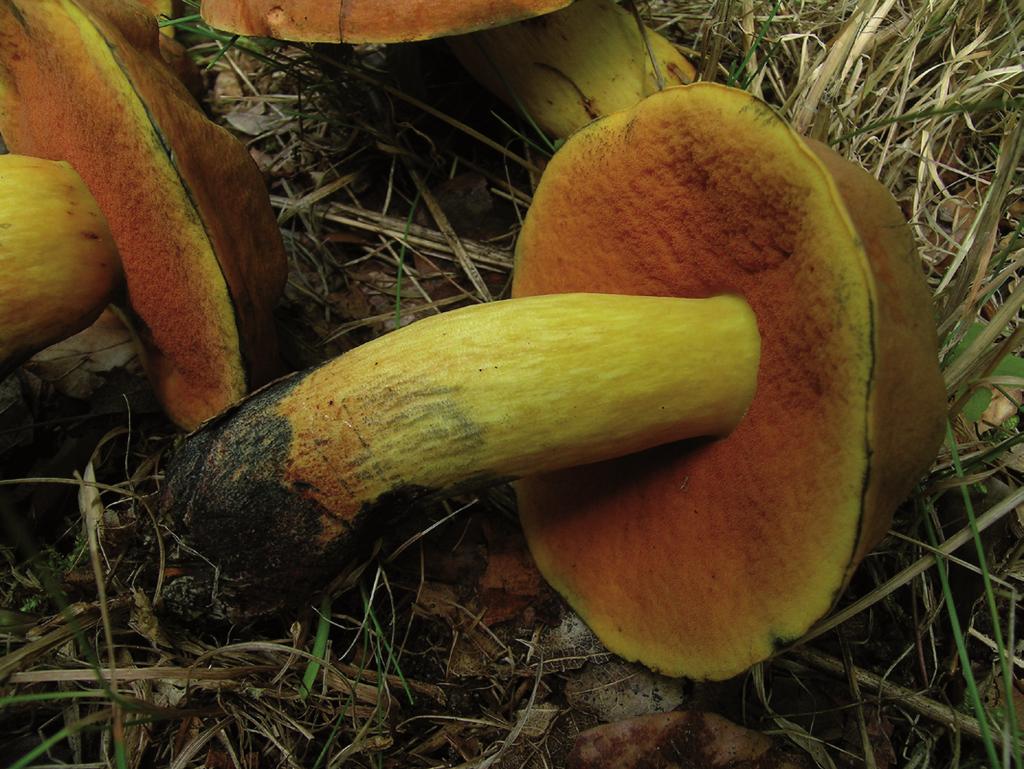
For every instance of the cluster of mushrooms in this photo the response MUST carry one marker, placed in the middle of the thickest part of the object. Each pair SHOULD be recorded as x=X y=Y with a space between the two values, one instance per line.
x=715 y=381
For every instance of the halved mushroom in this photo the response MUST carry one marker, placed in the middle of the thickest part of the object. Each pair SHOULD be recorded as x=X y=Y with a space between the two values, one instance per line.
x=57 y=257
x=83 y=81
x=278 y=492
x=701 y=558
x=564 y=63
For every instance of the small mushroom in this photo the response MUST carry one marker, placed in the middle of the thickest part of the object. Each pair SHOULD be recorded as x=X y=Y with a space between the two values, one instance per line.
x=279 y=492
x=57 y=257
x=84 y=82
x=703 y=557
x=562 y=62
x=564 y=69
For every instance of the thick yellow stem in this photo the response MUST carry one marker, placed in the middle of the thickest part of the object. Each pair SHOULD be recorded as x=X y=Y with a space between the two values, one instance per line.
x=276 y=490
x=520 y=387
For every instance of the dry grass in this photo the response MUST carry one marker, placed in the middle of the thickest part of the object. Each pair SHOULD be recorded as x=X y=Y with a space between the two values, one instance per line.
x=400 y=197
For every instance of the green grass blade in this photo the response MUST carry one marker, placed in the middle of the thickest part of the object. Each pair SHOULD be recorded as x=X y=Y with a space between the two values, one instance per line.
x=402 y=248
x=961 y=649
x=323 y=630
x=1010 y=716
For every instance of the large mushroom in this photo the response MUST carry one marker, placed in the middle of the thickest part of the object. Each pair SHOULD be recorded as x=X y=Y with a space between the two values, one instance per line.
x=563 y=63
x=84 y=81
x=701 y=558
x=57 y=257
x=279 y=492
x=564 y=69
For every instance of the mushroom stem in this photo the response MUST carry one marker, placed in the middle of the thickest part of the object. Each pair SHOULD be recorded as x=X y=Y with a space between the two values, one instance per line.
x=566 y=68
x=280 y=486
x=57 y=257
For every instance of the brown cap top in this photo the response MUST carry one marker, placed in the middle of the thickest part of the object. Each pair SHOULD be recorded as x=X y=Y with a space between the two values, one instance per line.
x=367 y=21
x=83 y=80
x=700 y=558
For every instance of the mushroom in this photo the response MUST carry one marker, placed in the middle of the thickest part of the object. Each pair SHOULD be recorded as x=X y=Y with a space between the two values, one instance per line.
x=57 y=257
x=83 y=81
x=703 y=557
x=564 y=63
x=280 y=491
x=569 y=67
x=367 y=21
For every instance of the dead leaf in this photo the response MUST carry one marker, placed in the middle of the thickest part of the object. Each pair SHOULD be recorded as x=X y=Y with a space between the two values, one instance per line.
x=618 y=689
x=469 y=205
x=537 y=720
x=15 y=418
x=999 y=409
x=143 y=620
x=570 y=645
x=511 y=587
x=676 y=740
x=254 y=121
x=80 y=365
x=226 y=91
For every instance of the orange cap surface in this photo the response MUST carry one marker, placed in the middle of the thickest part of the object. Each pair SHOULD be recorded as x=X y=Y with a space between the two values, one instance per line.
x=83 y=81
x=700 y=558
x=367 y=21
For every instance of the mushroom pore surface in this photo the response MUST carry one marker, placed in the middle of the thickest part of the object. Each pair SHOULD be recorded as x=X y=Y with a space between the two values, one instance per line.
x=701 y=558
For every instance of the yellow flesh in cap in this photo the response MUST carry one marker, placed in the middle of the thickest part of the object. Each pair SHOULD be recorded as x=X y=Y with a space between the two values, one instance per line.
x=701 y=558
x=57 y=258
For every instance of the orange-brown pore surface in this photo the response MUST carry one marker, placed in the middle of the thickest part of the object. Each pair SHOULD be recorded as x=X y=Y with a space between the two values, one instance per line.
x=367 y=21
x=83 y=81
x=700 y=558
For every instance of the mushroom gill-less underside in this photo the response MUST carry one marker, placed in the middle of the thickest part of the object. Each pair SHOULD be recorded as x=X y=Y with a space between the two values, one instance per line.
x=701 y=558
x=84 y=81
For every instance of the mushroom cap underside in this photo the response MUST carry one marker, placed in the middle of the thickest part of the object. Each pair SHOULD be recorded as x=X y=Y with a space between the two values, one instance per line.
x=367 y=21
x=700 y=558
x=83 y=81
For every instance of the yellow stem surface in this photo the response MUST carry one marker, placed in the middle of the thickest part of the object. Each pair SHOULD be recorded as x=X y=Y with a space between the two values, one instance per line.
x=519 y=387
x=305 y=469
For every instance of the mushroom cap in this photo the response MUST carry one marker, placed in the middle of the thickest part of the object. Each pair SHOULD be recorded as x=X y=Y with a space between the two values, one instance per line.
x=83 y=81
x=57 y=257
x=367 y=21
x=701 y=558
